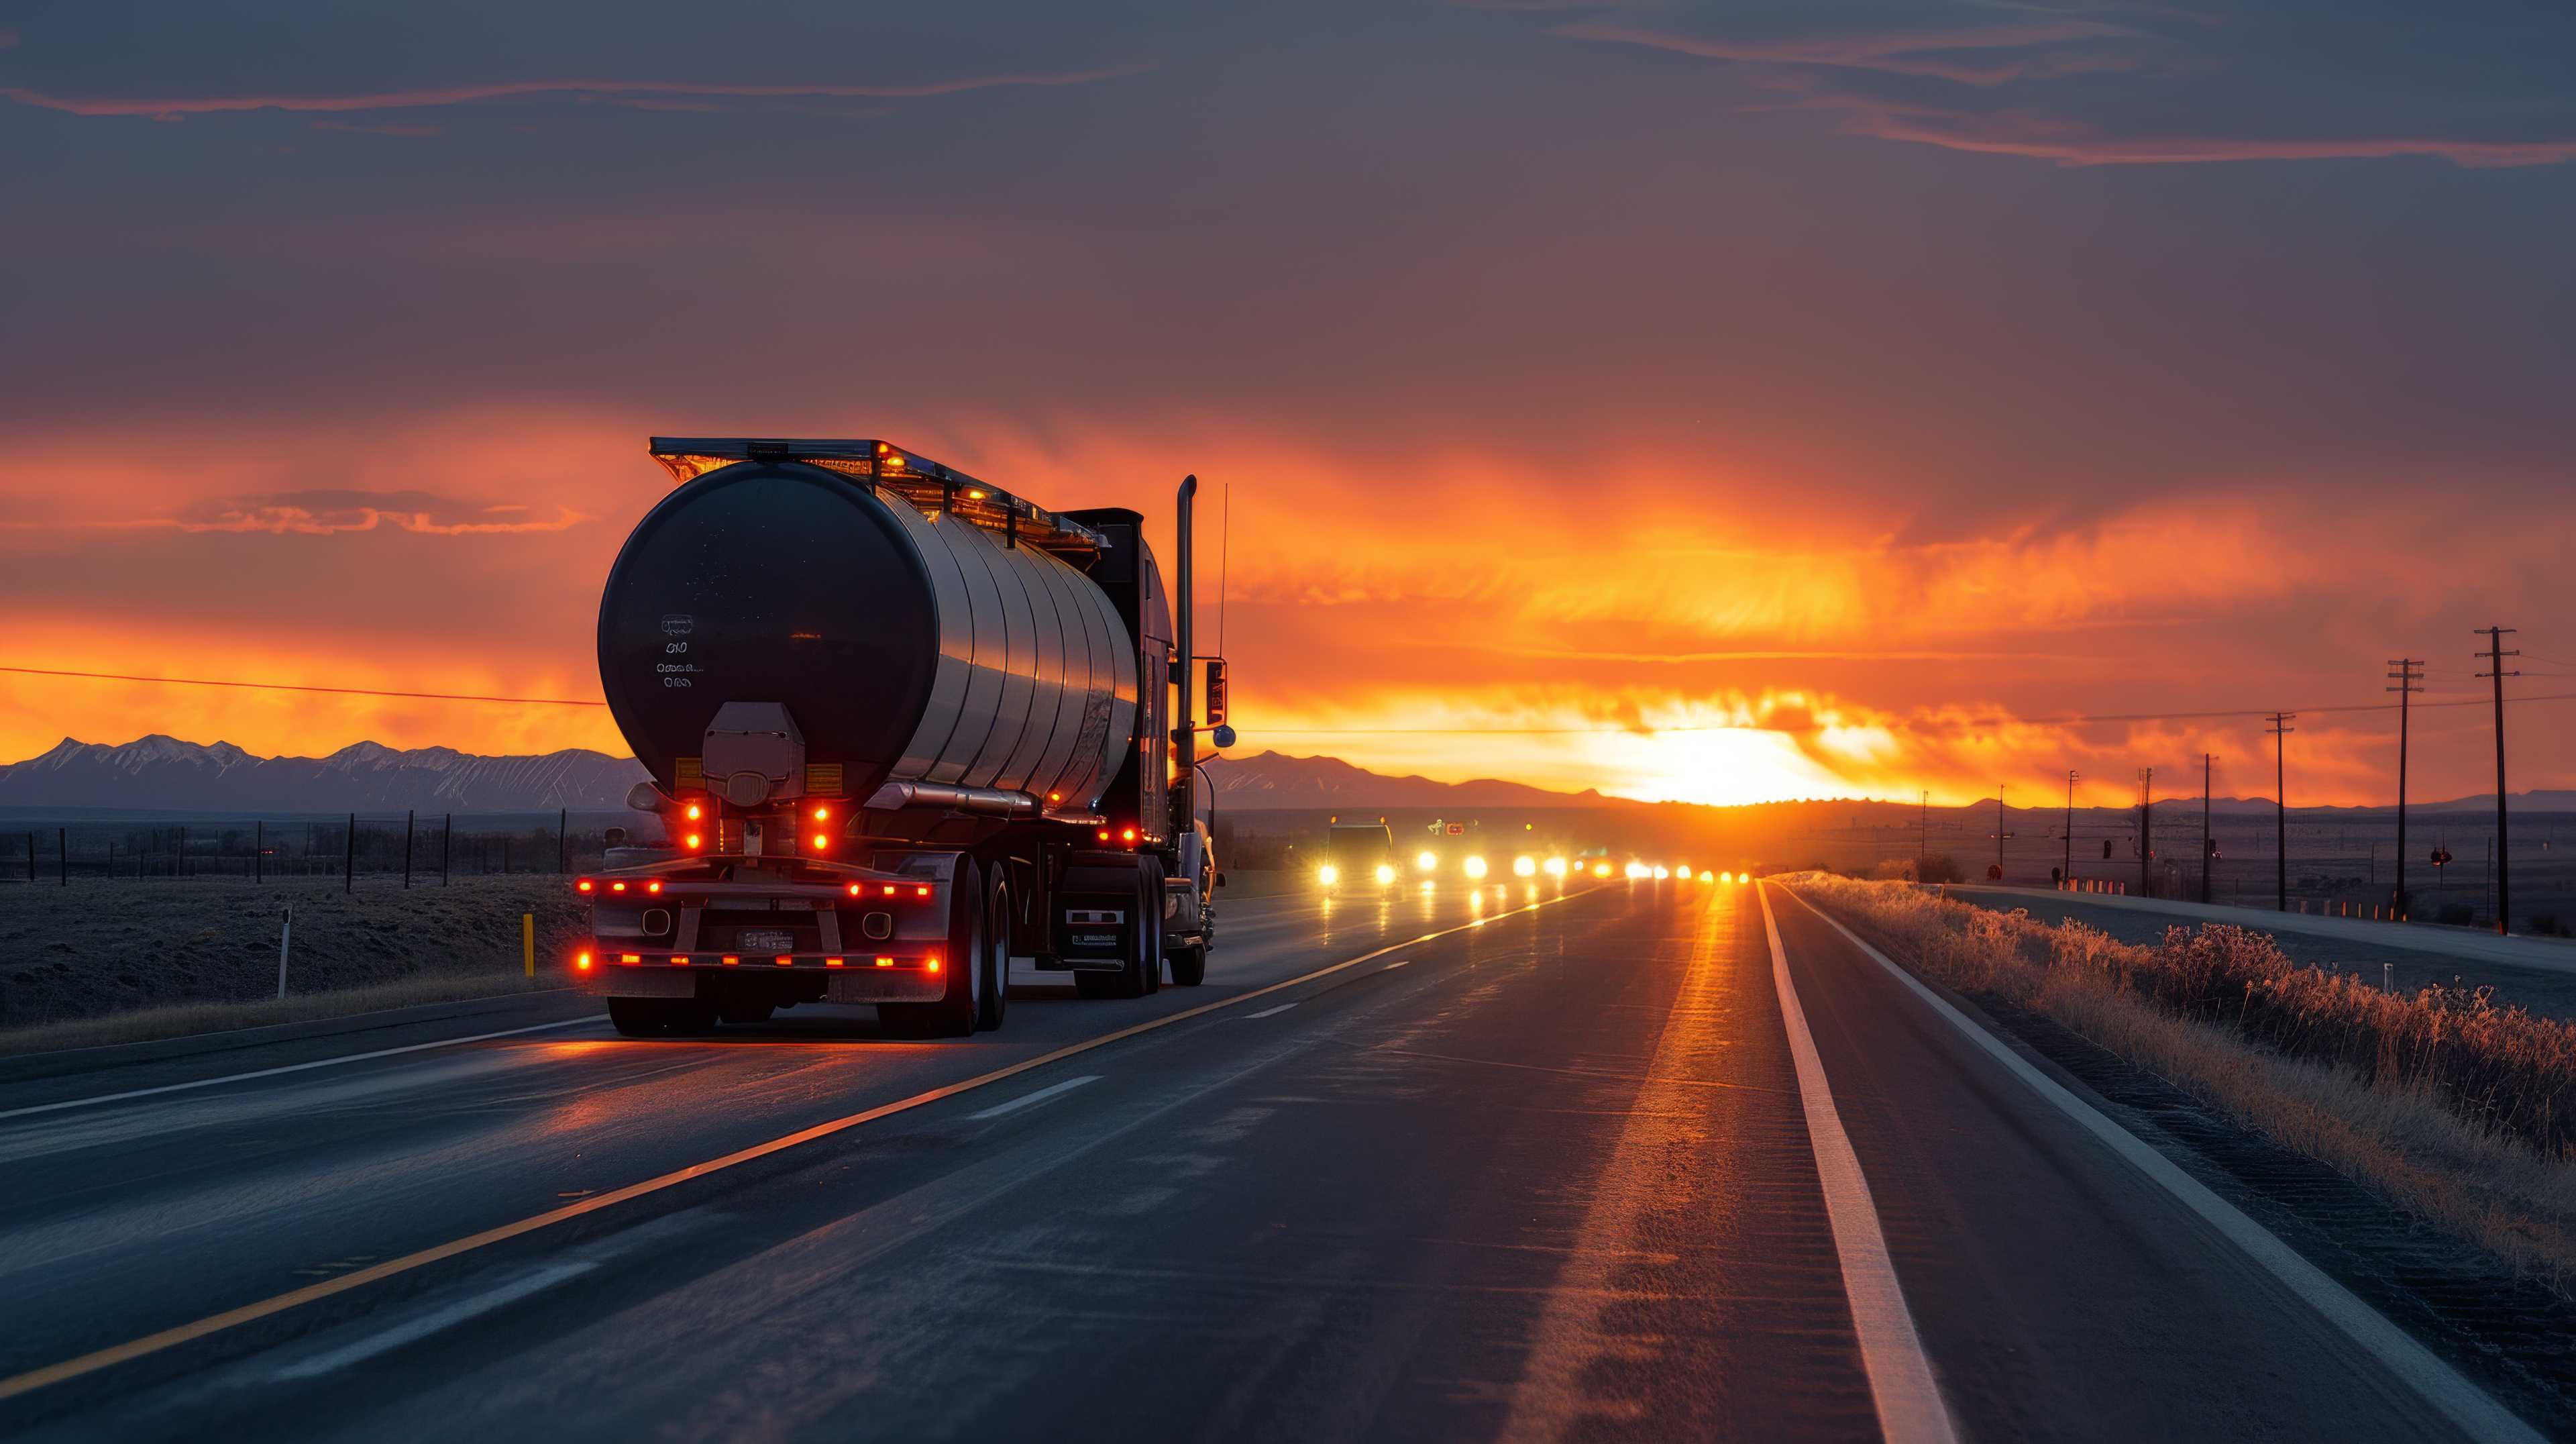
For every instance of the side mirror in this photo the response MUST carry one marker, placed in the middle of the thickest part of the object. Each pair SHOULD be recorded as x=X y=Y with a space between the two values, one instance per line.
x=1222 y=735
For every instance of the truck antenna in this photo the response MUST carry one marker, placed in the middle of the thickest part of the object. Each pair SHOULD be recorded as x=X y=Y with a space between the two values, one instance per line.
x=1224 y=553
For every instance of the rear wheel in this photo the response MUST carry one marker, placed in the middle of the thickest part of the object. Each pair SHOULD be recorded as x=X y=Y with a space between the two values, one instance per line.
x=1151 y=903
x=1189 y=966
x=995 y=965
x=640 y=1017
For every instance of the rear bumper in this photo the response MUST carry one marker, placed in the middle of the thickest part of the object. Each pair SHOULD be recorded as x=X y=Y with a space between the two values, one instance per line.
x=801 y=980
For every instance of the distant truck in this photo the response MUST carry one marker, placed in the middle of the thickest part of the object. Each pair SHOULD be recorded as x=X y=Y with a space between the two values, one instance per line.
x=901 y=725
x=1357 y=855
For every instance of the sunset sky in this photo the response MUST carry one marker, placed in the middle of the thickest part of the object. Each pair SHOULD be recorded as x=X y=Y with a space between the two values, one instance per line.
x=1714 y=402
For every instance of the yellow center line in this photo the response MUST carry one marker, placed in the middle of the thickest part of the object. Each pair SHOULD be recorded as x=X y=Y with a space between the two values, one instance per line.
x=250 y=1313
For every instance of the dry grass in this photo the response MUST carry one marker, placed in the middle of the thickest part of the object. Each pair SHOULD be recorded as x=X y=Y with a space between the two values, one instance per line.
x=2453 y=1108
x=180 y=1020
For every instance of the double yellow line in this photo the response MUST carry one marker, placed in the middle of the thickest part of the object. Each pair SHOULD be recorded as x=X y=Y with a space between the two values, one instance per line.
x=116 y=1354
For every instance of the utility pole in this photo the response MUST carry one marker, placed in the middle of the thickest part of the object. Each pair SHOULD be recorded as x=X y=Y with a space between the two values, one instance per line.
x=2410 y=680
x=1999 y=832
x=2146 y=831
x=1923 y=836
x=2281 y=808
x=2068 y=869
x=2495 y=656
x=2204 y=828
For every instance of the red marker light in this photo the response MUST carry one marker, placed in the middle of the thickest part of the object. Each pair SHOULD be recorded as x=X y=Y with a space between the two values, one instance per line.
x=831 y=962
x=921 y=892
x=581 y=962
x=933 y=964
x=885 y=962
x=822 y=814
x=732 y=962
x=629 y=958
x=783 y=960
x=652 y=887
x=695 y=812
x=679 y=960
x=584 y=885
x=1128 y=836
x=1104 y=834
x=889 y=889
x=822 y=843
x=854 y=889
x=695 y=841
x=617 y=887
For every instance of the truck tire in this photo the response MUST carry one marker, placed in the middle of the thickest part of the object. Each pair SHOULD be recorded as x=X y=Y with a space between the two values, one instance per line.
x=962 y=960
x=996 y=961
x=1152 y=902
x=640 y=1017
x=1189 y=966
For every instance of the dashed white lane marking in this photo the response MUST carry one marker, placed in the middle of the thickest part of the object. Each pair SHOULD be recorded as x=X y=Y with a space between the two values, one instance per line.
x=2464 y=1403
x=1268 y=1012
x=1391 y=967
x=1026 y=1100
x=288 y=1068
x=415 y=1329
x=1900 y=1376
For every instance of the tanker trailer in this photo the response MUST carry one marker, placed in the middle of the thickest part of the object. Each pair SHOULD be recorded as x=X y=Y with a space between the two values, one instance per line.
x=901 y=727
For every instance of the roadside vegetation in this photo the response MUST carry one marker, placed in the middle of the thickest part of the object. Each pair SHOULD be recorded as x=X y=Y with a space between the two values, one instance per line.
x=2459 y=1110
x=125 y=960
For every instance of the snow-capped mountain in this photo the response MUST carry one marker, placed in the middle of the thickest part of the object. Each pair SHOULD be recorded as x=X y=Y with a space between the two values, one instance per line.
x=158 y=772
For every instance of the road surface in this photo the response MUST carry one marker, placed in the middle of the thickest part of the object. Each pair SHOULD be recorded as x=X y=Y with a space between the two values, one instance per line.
x=1604 y=1162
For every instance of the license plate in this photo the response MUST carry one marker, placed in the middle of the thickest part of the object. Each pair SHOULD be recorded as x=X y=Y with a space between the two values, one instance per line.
x=767 y=940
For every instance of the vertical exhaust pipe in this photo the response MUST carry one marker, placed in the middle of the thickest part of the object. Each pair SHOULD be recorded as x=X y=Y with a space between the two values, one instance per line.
x=1185 y=732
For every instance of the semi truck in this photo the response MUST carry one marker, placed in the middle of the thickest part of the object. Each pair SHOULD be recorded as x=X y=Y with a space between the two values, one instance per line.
x=902 y=725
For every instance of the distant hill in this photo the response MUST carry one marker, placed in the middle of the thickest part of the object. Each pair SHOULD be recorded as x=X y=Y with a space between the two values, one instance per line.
x=158 y=772
x=1276 y=781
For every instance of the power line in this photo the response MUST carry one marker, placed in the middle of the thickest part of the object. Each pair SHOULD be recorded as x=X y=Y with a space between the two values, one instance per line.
x=2068 y=720
x=299 y=687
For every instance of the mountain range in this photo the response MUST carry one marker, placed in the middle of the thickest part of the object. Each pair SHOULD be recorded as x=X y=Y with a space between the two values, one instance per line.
x=162 y=773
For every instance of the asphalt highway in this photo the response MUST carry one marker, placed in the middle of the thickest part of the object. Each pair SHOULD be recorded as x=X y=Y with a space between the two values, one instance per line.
x=1654 y=1160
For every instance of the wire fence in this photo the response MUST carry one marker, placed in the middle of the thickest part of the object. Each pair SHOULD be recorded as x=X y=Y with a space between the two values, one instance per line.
x=411 y=849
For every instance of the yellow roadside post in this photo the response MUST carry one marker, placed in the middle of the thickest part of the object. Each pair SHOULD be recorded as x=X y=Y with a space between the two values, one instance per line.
x=528 y=942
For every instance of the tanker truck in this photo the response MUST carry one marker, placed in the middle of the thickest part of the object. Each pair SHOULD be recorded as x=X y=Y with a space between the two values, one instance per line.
x=902 y=726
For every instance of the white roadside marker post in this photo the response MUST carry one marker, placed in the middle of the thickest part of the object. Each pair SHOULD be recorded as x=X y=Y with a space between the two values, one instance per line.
x=285 y=930
x=2388 y=977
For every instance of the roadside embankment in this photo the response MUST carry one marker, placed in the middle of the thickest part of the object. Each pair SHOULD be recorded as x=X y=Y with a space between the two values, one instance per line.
x=102 y=962
x=2460 y=1111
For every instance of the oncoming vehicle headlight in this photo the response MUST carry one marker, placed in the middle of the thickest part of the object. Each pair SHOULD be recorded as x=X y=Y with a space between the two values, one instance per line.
x=1525 y=866
x=1556 y=867
x=1427 y=861
x=1385 y=873
x=1328 y=874
x=1475 y=867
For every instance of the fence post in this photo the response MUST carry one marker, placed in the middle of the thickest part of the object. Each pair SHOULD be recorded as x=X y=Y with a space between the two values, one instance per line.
x=408 y=815
x=528 y=942
x=563 y=818
x=63 y=855
x=180 y=869
x=31 y=854
x=505 y=854
x=446 y=838
x=258 y=851
x=349 y=857
x=285 y=931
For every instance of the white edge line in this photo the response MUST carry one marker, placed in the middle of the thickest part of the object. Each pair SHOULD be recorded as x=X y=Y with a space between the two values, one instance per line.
x=1909 y=1404
x=2444 y=1387
x=430 y=1323
x=288 y=1068
x=1268 y=1012
x=1027 y=1099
